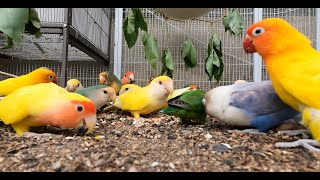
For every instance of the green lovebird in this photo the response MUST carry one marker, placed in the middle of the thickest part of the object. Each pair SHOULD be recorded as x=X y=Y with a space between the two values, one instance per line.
x=99 y=95
x=111 y=80
x=187 y=106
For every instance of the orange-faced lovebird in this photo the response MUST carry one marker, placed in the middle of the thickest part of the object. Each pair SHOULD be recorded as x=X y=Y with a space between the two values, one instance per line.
x=253 y=104
x=128 y=78
x=47 y=104
x=108 y=78
x=292 y=64
x=40 y=75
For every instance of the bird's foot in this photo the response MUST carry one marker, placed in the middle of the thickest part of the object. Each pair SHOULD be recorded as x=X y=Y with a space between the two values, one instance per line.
x=306 y=143
x=32 y=134
x=249 y=131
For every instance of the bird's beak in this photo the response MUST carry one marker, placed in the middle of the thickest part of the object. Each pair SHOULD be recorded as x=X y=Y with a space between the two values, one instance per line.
x=131 y=78
x=248 y=45
x=113 y=98
x=102 y=79
x=55 y=80
x=169 y=87
x=71 y=88
x=87 y=125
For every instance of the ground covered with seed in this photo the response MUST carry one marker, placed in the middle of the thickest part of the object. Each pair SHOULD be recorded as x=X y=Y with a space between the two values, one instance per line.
x=156 y=143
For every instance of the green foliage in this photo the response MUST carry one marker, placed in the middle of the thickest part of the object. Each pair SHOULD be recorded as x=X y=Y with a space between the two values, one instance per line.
x=150 y=49
x=233 y=22
x=214 y=64
x=131 y=26
x=167 y=63
x=188 y=53
x=16 y=21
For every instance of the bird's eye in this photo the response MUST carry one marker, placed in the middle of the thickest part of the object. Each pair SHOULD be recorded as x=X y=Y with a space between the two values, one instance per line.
x=160 y=82
x=125 y=75
x=258 y=31
x=127 y=89
x=78 y=85
x=50 y=76
x=79 y=107
x=108 y=75
x=105 y=91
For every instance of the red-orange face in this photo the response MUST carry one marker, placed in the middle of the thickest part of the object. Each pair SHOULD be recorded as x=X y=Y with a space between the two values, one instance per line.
x=128 y=78
x=71 y=114
x=44 y=75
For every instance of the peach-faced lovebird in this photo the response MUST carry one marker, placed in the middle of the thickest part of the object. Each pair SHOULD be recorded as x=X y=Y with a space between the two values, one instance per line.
x=73 y=85
x=47 y=104
x=40 y=75
x=128 y=78
x=254 y=104
x=100 y=95
x=292 y=64
x=111 y=80
x=187 y=106
x=147 y=99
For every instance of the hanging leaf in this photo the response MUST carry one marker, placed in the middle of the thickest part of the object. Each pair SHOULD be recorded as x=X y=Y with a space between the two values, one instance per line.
x=140 y=22
x=167 y=63
x=131 y=39
x=131 y=26
x=150 y=49
x=214 y=64
x=233 y=22
x=13 y=22
x=33 y=25
x=189 y=55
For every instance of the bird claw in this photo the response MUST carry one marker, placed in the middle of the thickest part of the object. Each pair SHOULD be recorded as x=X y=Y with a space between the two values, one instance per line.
x=249 y=131
x=306 y=143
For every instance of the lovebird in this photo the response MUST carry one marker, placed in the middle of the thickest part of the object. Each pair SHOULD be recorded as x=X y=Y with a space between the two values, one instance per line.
x=254 y=104
x=47 y=104
x=292 y=64
x=148 y=99
x=108 y=78
x=128 y=87
x=187 y=105
x=128 y=78
x=73 y=85
x=40 y=75
x=100 y=95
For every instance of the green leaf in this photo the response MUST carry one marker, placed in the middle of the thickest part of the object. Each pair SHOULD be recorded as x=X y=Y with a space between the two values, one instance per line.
x=214 y=62
x=33 y=25
x=233 y=22
x=150 y=49
x=131 y=39
x=140 y=22
x=131 y=24
x=167 y=63
x=13 y=21
x=188 y=53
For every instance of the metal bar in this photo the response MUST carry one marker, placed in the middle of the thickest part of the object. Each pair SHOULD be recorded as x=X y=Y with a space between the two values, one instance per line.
x=51 y=30
x=78 y=41
x=51 y=25
x=257 y=60
x=110 y=31
x=318 y=28
x=118 y=42
x=67 y=21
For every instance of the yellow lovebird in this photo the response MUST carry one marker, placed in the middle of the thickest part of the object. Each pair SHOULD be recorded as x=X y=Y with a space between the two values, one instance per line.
x=47 y=104
x=40 y=75
x=147 y=99
x=73 y=85
x=292 y=64
x=128 y=87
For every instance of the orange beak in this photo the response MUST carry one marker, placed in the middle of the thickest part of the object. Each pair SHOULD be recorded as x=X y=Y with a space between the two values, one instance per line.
x=248 y=45
x=102 y=79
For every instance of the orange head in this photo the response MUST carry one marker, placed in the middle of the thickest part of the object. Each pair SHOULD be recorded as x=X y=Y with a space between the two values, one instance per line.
x=43 y=75
x=74 y=112
x=272 y=36
x=192 y=86
x=128 y=78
